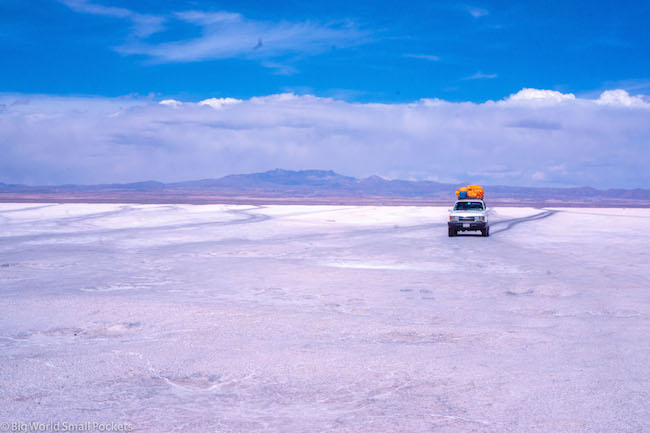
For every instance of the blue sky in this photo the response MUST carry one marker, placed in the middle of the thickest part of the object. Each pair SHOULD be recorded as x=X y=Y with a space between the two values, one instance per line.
x=552 y=93
x=361 y=51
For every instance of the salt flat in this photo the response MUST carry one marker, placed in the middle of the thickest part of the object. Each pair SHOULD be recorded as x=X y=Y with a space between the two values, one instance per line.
x=324 y=319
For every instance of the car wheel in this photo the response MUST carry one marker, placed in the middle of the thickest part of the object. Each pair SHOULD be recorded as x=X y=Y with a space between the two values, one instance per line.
x=451 y=232
x=486 y=233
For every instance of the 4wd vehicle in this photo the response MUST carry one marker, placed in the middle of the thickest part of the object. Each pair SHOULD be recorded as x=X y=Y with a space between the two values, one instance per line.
x=468 y=215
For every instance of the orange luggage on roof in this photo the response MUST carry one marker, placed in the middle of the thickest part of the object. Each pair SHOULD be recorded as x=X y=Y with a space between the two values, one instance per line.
x=471 y=191
x=475 y=191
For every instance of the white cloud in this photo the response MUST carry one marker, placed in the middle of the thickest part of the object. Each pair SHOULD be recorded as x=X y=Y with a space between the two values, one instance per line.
x=477 y=12
x=429 y=57
x=619 y=97
x=539 y=97
x=144 y=25
x=209 y=18
x=226 y=35
x=279 y=68
x=481 y=76
x=571 y=141
x=219 y=102
x=538 y=175
x=171 y=102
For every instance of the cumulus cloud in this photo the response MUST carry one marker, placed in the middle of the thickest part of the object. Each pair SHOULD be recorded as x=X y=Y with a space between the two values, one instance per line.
x=171 y=102
x=219 y=102
x=620 y=97
x=539 y=96
x=535 y=137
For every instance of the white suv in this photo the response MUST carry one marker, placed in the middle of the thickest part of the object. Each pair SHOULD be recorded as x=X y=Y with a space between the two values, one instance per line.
x=468 y=214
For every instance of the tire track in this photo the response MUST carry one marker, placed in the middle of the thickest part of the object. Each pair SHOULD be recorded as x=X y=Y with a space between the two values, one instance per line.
x=25 y=209
x=510 y=223
x=248 y=218
x=93 y=216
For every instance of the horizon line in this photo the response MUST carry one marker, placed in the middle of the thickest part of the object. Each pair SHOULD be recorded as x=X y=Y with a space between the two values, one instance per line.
x=454 y=184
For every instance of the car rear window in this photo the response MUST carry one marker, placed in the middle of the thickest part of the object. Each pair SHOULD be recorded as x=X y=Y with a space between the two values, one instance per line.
x=469 y=205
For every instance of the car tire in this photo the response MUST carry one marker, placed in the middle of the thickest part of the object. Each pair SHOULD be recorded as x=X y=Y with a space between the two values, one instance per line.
x=486 y=232
x=451 y=232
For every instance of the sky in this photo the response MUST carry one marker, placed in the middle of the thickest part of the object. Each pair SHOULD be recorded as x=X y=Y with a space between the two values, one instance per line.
x=546 y=93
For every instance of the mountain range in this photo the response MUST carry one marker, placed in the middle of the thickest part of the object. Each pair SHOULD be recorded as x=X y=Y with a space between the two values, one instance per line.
x=316 y=187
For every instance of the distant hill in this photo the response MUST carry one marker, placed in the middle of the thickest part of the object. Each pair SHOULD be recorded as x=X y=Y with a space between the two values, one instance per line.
x=315 y=187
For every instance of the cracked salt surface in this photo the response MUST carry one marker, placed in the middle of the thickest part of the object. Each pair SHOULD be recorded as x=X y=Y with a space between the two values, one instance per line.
x=324 y=319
